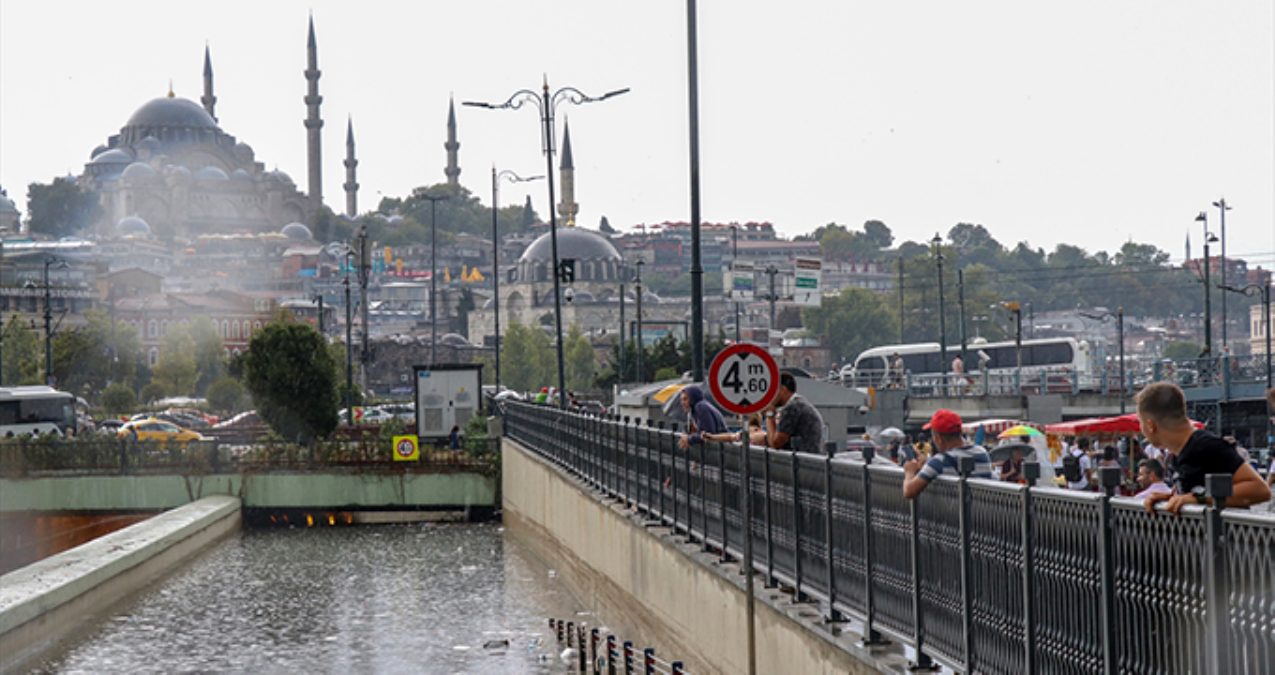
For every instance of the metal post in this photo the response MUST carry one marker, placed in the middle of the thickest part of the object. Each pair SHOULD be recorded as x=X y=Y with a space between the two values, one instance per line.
x=697 y=268
x=611 y=653
x=960 y=294
x=349 y=348
x=703 y=498
x=770 y=539
x=965 y=465
x=1208 y=289
x=637 y=285
x=495 y=265
x=433 y=275
x=721 y=500
x=1120 y=331
x=901 y=340
x=797 y=595
x=830 y=574
x=673 y=470
x=659 y=467
x=746 y=491
x=1110 y=477
x=594 y=638
x=547 y=119
x=1031 y=471
x=652 y=473
x=648 y=661
x=923 y=660
x=628 y=657
x=870 y=634
x=364 y=269
x=624 y=445
x=322 y=330
x=772 y=271
x=734 y=257
x=938 y=259
x=619 y=378
x=1217 y=587
x=48 y=326
x=1222 y=208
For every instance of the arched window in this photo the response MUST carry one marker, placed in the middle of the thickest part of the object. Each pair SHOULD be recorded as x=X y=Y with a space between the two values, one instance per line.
x=152 y=357
x=152 y=328
x=234 y=330
x=163 y=327
x=225 y=329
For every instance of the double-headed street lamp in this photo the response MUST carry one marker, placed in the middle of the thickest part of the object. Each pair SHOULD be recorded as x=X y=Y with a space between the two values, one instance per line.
x=546 y=103
x=937 y=241
x=1223 y=207
x=48 y=318
x=496 y=177
x=637 y=284
x=1265 y=291
x=1119 y=316
x=433 y=274
x=1203 y=217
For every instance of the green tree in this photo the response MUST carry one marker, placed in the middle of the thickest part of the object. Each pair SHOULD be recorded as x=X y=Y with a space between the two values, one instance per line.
x=87 y=358
x=177 y=370
x=23 y=354
x=118 y=399
x=292 y=378
x=61 y=208
x=851 y=321
x=581 y=361
x=226 y=395
x=209 y=353
x=527 y=358
x=152 y=392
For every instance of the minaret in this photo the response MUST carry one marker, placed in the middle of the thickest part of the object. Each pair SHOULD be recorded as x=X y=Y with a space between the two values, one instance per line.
x=567 y=208
x=351 y=185
x=208 y=99
x=1188 y=246
x=313 y=123
x=452 y=146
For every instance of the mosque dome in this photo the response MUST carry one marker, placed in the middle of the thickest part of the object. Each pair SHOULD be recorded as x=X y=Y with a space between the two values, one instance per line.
x=6 y=204
x=139 y=171
x=97 y=151
x=211 y=173
x=280 y=176
x=296 y=231
x=131 y=225
x=149 y=144
x=171 y=112
x=573 y=243
x=453 y=340
x=115 y=156
x=240 y=174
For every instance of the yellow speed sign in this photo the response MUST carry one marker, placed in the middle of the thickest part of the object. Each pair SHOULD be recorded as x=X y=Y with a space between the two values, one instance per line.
x=406 y=449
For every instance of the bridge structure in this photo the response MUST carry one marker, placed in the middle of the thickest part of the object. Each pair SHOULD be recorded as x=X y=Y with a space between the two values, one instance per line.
x=974 y=575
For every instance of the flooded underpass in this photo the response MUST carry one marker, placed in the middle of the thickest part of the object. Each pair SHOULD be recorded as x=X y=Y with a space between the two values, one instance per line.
x=387 y=598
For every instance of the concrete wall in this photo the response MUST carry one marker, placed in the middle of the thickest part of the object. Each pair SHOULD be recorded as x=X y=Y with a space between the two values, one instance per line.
x=673 y=597
x=257 y=490
x=49 y=601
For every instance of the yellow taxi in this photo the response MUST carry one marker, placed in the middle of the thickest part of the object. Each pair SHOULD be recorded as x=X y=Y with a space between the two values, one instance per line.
x=157 y=430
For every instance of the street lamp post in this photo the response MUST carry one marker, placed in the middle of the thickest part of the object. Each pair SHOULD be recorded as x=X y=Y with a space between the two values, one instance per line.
x=1203 y=217
x=48 y=318
x=1222 y=208
x=960 y=294
x=546 y=103
x=637 y=285
x=623 y=345
x=938 y=260
x=318 y=297
x=734 y=258
x=433 y=275
x=772 y=271
x=349 y=345
x=1265 y=291
x=1119 y=316
x=495 y=249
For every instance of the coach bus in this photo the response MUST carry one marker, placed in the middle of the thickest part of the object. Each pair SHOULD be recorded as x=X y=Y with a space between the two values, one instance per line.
x=1053 y=355
x=36 y=410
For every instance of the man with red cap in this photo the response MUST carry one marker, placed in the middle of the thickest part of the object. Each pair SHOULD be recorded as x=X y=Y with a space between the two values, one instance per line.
x=949 y=448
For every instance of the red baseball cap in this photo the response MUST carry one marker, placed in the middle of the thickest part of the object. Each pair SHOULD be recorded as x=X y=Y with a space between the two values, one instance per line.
x=944 y=421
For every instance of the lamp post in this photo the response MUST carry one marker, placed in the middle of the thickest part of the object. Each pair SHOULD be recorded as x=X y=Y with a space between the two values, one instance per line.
x=349 y=345
x=734 y=258
x=623 y=345
x=637 y=285
x=1222 y=208
x=318 y=297
x=901 y=340
x=496 y=177
x=1265 y=291
x=48 y=318
x=772 y=271
x=960 y=295
x=938 y=260
x=1203 y=217
x=1017 y=310
x=433 y=274
x=546 y=103
x=1119 y=315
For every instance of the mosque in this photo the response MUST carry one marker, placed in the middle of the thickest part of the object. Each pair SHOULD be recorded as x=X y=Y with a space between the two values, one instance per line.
x=172 y=172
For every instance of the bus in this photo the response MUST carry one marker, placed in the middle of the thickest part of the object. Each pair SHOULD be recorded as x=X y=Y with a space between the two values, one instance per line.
x=1052 y=355
x=36 y=410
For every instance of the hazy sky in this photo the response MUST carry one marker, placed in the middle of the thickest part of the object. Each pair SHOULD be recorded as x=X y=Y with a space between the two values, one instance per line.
x=1089 y=122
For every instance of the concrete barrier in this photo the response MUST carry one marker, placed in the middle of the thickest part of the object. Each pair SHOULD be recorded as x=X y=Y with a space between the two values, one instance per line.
x=49 y=601
x=665 y=592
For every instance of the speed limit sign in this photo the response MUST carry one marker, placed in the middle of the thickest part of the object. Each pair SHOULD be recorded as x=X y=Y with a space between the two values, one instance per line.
x=743 y=378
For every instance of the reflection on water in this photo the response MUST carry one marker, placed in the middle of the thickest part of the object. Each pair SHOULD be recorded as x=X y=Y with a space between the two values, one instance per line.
x=394 y=598
x=28 y=536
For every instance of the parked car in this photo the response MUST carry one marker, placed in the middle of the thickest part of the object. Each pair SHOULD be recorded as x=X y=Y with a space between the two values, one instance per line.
x=248 y=418
x=155 y=429
x=402 y=412
x=110 y=425
x=371 y=415
x=183 y=420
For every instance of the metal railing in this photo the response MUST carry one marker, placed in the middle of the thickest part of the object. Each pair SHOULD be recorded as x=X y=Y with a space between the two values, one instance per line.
x=608 y=655
x=978 y=575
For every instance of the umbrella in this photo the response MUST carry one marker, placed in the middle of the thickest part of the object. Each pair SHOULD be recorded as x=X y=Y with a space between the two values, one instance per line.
x=1002 y=452
x=891 y=432
x=1020 y=430
x=1120 y=424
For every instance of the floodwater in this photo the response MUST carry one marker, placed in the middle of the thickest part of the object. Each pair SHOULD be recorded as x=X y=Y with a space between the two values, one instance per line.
x=370 y=599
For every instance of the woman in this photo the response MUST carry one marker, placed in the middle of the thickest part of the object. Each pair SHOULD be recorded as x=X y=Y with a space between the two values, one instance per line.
x=702 y=417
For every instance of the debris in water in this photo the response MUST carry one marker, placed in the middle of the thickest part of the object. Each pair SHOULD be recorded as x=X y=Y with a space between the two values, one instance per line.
x=496 y=644
x=568 y=655
x=553 y=574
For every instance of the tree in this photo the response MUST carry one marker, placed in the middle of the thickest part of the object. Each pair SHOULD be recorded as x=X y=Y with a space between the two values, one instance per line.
x=152 y=392
x=604 y=226
x=177 y=370
x=87 y=358
x=61 y=208
x=226 y=395
x=851 y=321
x=581 y=362
x=118 y=398
x=23 y=354
x=209 y=353
x=463 y=308
x=289 y=371
x=527 y=358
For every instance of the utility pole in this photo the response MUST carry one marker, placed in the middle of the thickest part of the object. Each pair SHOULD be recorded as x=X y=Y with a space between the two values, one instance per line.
x=1222 y=208
x=364 y=271
x=1203 y=217
x=734 y=257
x=637 y=283
x=48 y=325
x=697 y=268
x=938 y=259
x=901 y=340
x=433 y=275
x=772 y=271
x=349 y=347
x=960 y=294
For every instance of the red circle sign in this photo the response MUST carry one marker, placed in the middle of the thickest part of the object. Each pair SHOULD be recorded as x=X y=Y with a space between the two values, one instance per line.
x=406 y=448
x=744 y=378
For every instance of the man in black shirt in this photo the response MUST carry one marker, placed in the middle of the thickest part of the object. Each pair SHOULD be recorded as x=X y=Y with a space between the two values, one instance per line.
x=1162 y=412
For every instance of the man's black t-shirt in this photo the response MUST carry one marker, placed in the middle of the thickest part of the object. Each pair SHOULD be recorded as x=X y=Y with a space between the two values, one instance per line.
x=1204 y=454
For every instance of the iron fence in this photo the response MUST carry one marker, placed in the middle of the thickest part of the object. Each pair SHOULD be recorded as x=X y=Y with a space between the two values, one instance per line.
x=977 y=575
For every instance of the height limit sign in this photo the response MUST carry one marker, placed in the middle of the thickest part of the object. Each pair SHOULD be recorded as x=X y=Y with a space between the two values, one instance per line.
x=744 y=379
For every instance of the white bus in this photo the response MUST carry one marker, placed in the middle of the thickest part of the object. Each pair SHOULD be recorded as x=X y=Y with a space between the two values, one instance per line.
x=1052 y=355
x=36 y=410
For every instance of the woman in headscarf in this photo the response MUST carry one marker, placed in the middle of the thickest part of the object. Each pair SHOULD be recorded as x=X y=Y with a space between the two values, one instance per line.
x=702 y=417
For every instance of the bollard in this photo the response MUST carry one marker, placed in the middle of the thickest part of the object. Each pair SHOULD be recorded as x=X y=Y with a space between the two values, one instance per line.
x=678 y=668
x=611 y=655
x=648 y=661
x=593 y=648
x=628 y=657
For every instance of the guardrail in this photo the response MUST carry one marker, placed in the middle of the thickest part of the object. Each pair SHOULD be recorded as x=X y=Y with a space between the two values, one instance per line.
x=980 y=576
x=598 y=655
x=24 y=456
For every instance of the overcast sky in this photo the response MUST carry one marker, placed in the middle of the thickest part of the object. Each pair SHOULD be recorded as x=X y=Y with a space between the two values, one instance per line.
x=1089 y=122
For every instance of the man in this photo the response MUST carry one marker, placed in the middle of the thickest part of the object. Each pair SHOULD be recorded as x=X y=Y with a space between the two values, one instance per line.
x=702 y=417
x=896 y=371
x=1012 y=468
x=949 y=448
x=1162 y=413
x=800 y=426
x=1151 y=479
x=1081 y=452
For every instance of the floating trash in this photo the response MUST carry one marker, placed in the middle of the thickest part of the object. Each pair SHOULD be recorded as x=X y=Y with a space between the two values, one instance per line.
x=496 y=644
x=553 y=574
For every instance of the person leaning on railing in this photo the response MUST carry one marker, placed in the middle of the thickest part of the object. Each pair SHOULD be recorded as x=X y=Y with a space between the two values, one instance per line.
x=1162 y=413
x=949 y=448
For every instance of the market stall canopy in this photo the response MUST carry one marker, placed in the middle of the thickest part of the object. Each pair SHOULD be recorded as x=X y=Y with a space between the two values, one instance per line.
x=995 y=426
x=1120 y=424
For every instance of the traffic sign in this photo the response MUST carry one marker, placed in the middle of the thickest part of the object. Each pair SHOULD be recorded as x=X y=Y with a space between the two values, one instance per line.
x=406 y=449
x=744 y=378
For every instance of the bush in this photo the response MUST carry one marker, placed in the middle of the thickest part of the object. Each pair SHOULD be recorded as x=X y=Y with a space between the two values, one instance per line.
x=667 y=373
x=153 y=392
x=226 y=395
x=119 y=398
